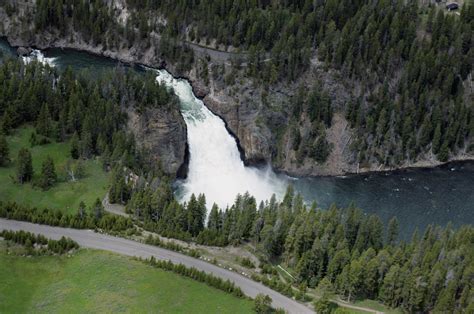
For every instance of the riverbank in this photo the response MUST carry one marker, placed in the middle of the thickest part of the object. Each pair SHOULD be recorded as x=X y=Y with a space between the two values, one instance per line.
x=417 y=166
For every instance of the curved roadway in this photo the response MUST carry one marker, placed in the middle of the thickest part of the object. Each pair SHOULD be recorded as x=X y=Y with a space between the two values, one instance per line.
x=90 y=239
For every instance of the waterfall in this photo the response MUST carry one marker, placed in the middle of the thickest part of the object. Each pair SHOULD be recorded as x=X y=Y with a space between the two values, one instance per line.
x=215 y=167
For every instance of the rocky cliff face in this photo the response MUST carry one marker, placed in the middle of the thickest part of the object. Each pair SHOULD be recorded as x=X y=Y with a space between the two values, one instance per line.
x=259 y=118
x=163 y=133
x=241 y=120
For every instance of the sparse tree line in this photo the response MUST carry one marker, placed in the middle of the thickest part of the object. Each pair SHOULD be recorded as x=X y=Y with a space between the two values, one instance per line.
x=262 y=303
x=38 y=244
x=170 y=245
x=86 y=218
x=201 y=276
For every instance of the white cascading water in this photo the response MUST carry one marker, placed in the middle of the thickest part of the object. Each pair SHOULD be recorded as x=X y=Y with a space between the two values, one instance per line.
x=37 y=55
x=215 y=167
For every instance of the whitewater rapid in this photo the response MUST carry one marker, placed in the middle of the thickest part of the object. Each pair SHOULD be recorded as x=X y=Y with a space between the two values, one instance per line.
x=215 y=166
x=37 y=55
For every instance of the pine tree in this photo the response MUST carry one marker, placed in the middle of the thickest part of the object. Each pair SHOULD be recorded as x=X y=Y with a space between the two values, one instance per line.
x=323 y=305
x=119 y=191
x=75 y=152
x=392 y=231
x=81 y=212
x=443 y=154
x=86 y=145
x=24 y=171
x=196 y=211
x=437 y=139
x=4 y=151
x=321 y=147
x=98 y=209
x=6 y=123
x=390 y=292
x=214 y=223
x=262 y=304
x=44 y=122
x=48 y=173
x=426 y=130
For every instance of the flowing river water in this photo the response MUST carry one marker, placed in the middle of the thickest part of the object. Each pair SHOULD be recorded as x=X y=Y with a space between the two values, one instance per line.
x=417 y=197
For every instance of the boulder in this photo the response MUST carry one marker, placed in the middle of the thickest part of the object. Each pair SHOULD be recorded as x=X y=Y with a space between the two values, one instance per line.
x=23 y=51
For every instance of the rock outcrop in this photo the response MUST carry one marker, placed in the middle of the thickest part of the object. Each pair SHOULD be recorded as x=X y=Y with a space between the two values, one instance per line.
x=163 y=133
x=23 y=51
x=240 y=119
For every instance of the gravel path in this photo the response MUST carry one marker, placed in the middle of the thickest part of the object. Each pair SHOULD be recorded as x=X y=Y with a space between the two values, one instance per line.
x=113 y=208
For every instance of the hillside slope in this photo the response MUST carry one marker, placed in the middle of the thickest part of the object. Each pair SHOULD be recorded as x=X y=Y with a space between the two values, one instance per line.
x=371 y=91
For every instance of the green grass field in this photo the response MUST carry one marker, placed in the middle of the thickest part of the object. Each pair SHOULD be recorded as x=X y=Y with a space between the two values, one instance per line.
x=65 y=195
x=378 y=306
x=102 y=282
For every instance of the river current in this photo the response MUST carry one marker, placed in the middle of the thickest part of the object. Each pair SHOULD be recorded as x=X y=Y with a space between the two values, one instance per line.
x=417 y=197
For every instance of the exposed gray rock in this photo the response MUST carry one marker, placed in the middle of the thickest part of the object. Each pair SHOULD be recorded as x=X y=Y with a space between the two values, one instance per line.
x=22 y=51
x=163 y=133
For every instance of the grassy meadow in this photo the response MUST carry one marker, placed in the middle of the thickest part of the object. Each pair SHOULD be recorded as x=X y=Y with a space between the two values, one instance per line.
x=65 y=195
x=92 y=281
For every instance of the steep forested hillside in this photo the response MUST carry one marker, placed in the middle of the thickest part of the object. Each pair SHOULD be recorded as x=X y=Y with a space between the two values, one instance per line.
x=369 y=83
x=412 y=66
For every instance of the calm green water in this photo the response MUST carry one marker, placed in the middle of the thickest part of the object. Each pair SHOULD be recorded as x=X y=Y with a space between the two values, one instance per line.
x=418 y=197
x=6 y=50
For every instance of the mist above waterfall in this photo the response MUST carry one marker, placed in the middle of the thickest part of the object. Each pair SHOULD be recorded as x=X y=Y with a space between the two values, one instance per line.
x=215 y=167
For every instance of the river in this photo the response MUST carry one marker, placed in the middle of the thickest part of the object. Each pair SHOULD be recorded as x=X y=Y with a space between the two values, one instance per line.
x=417 y=197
